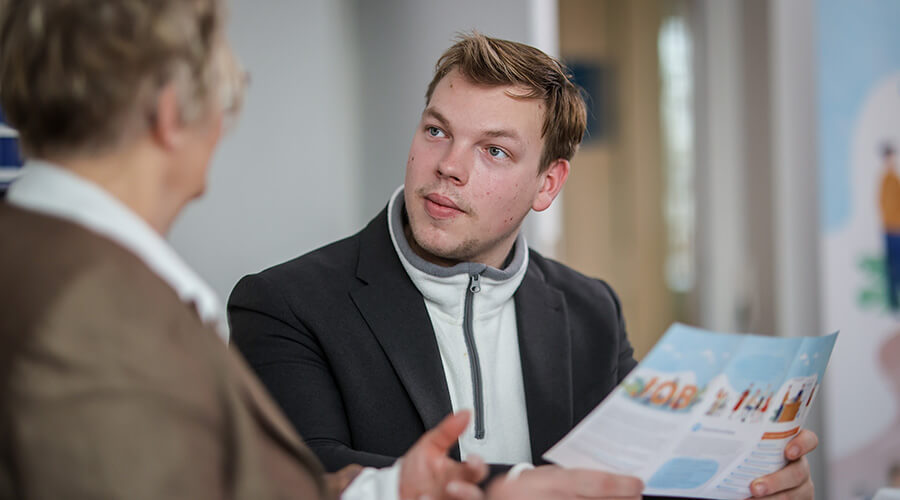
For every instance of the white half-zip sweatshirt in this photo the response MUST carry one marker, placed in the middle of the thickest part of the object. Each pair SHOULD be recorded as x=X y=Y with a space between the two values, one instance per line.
x=494 y=332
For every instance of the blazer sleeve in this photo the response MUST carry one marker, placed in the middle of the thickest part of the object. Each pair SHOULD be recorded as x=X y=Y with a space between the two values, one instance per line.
x=292 y=365
x=626 y=361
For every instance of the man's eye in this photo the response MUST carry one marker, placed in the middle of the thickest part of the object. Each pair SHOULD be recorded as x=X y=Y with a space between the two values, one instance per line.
x=435 y=132
x=497 y=152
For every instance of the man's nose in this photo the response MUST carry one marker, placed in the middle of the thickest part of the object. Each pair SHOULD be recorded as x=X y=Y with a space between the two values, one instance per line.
x=456 y=164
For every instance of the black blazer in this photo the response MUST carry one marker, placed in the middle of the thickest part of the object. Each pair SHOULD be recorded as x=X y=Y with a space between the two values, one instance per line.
x=343 y=341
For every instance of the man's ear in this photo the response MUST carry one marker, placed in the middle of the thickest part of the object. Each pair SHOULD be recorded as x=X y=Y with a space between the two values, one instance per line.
x=167 y=128
x=552 y=183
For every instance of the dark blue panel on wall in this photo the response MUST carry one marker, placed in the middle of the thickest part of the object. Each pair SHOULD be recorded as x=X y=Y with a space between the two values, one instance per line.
x=10 y=154
x=595 y=80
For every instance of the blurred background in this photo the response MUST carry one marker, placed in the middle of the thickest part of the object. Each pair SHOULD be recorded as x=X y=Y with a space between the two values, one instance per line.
x=729 y=179
x=674 y=195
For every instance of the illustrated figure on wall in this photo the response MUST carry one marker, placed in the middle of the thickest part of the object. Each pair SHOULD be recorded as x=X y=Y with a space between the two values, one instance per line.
x=889 y=203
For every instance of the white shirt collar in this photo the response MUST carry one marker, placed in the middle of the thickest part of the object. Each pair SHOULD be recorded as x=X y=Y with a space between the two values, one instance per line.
x=54 y=191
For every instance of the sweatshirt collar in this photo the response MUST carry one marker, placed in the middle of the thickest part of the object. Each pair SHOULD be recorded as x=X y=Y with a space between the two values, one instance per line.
x=445 y=287
x=396 y=209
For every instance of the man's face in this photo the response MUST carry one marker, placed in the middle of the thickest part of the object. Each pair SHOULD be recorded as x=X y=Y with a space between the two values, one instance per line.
x=472 y=173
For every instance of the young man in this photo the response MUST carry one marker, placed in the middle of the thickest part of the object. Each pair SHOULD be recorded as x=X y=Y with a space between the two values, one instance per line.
x=438 y=304
x=113 y=381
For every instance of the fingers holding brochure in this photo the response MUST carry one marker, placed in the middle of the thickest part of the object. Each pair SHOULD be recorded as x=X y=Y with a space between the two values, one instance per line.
x=794 y=480
x=802 y=444
x=791 y=482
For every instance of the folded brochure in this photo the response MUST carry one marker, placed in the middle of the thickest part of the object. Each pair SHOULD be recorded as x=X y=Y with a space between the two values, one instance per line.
x=704 y=414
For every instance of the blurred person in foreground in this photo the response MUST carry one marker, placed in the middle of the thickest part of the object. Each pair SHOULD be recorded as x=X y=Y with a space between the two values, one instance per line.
x=438 y=304
x=113 y=380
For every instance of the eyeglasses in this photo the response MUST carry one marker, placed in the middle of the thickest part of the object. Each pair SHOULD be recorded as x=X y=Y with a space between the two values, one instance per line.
x=233 y=98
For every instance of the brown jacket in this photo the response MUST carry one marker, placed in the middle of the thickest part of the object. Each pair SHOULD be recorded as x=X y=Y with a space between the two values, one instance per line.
x=110 y=387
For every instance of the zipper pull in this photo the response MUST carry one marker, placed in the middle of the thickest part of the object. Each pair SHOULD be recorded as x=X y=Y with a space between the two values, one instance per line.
x=475 y=283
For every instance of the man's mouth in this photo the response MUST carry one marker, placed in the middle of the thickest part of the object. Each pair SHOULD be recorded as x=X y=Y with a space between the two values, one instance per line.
x=441 y=207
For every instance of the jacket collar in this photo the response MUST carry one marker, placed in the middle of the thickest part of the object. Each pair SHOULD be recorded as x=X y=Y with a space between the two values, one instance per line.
x=395 y=312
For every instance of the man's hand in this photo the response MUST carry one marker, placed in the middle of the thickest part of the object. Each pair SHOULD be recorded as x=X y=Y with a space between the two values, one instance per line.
x=793 y=481
x=556 y=483
x=427 y=471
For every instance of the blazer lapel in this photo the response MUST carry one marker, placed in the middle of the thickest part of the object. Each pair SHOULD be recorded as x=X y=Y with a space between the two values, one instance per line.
x=545 y=351
x=395 y=312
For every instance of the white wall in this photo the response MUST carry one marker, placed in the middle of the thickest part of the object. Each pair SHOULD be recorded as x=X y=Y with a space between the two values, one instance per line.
x=796 y=182
x=721 y=217
x=286 y=179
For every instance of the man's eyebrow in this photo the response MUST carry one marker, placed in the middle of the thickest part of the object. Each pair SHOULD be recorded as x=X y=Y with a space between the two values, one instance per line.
x=436 y=115
x=509 y=134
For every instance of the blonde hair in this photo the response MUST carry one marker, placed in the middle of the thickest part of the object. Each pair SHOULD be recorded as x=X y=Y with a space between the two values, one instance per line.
x=78 y=76
x=491 y=61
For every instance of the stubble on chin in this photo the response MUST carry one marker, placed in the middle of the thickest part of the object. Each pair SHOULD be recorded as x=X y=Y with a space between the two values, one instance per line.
x=444 y=255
